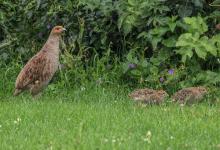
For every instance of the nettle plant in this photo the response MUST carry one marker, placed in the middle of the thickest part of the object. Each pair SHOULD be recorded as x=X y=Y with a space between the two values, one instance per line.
x=182 y=55
x=195 y=42
x=199 y=52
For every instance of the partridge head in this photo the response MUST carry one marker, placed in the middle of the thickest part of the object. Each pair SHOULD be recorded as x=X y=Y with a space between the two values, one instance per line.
x=57 y=30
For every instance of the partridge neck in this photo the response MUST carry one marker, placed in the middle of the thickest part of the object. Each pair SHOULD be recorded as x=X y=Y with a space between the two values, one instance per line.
x=52 y=43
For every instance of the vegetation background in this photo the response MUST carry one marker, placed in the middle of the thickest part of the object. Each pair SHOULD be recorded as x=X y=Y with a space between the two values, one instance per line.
x=110 y=48
x=159 y=43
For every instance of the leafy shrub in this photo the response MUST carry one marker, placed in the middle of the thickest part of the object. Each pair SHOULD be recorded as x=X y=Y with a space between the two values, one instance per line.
x=158 y=43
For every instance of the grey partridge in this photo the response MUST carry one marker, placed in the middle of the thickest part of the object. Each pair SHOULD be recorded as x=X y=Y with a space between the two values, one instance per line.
x=40 y=69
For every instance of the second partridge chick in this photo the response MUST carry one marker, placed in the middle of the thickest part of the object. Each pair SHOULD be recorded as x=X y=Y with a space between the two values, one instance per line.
x=190 y=95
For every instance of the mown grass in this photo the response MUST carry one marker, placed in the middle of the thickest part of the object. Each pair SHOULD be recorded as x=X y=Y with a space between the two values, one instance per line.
x=104 y=118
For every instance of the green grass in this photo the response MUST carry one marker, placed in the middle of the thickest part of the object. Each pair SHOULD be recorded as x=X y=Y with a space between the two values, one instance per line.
x=104 y=118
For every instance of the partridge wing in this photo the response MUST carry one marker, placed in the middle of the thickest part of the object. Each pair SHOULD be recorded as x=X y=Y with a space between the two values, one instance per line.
x=31 y=72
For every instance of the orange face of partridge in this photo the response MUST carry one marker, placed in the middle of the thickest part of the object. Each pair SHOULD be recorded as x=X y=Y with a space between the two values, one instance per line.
x=58 y=30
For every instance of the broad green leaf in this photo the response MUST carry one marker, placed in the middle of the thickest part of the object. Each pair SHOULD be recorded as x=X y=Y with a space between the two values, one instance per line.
x=170 y=42
x=155 y=41
x=127 y=28
x=130 y=19
x=130 y=56
x=128 y=24
x=172 y=23
x=125 y=67
x=155 y=61
x=159 y=31
x=145 y=63
x=136 y=72
x=172 y=26
x=196 y=24
x=185 y=52
x=198 y=3
x=142 y=34
x=201 y=52
x=121 y=20
x=208 y=45
x=184 y=40
x=216 y=38
x=38 y=4
x=185 y=11
x=132 y=2
x=154 y=70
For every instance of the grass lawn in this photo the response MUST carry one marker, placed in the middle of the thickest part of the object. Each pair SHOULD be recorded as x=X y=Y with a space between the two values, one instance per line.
x=104 y=118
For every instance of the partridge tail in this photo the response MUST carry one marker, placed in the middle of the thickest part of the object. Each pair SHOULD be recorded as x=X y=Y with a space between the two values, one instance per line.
x=17 y=92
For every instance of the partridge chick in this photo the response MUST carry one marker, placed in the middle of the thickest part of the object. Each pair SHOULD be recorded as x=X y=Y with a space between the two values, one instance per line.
x=190 y=95
x=149 y=96
x=40 y=69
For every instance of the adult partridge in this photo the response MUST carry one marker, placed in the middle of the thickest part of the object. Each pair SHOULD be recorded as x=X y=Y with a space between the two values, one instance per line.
x=40 y=69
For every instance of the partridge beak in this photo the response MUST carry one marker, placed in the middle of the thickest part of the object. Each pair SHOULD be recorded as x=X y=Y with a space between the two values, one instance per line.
x=64 y=29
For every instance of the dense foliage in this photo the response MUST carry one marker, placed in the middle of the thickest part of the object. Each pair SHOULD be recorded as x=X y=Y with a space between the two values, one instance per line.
x=158 y=43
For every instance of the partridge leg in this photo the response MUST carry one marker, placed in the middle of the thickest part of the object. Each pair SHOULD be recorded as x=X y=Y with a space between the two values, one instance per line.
x=36 y=88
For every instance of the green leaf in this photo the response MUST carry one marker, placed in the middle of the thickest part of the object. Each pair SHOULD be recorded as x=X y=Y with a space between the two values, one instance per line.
x=208 y=45
x=170 y=42
x=132 y=2
x=185 y=40
x=196 y=24
x=185 y=52
x=127 y=24
x=145 y=64
x=136 y=72
x=125 y=67
x=155 y=41
x=208 y=77
x=142 y=34
x=198 y=3
x=172 y=26
x=201 y=52
x=154 y=70
x=185 y=11
x=38 y=4
x=121 y=20
x=160 y=31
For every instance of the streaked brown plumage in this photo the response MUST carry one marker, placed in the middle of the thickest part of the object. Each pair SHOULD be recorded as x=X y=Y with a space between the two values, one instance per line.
x=190 y=95
x=149 y=96
x=40 y=69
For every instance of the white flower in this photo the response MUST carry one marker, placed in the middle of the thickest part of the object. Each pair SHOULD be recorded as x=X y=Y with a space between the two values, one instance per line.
x=17 y=120
x=148 y=134
x=148 y=137
x=83 y=88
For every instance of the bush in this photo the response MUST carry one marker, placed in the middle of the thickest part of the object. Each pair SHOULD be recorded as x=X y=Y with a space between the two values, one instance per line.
x=158 y=43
